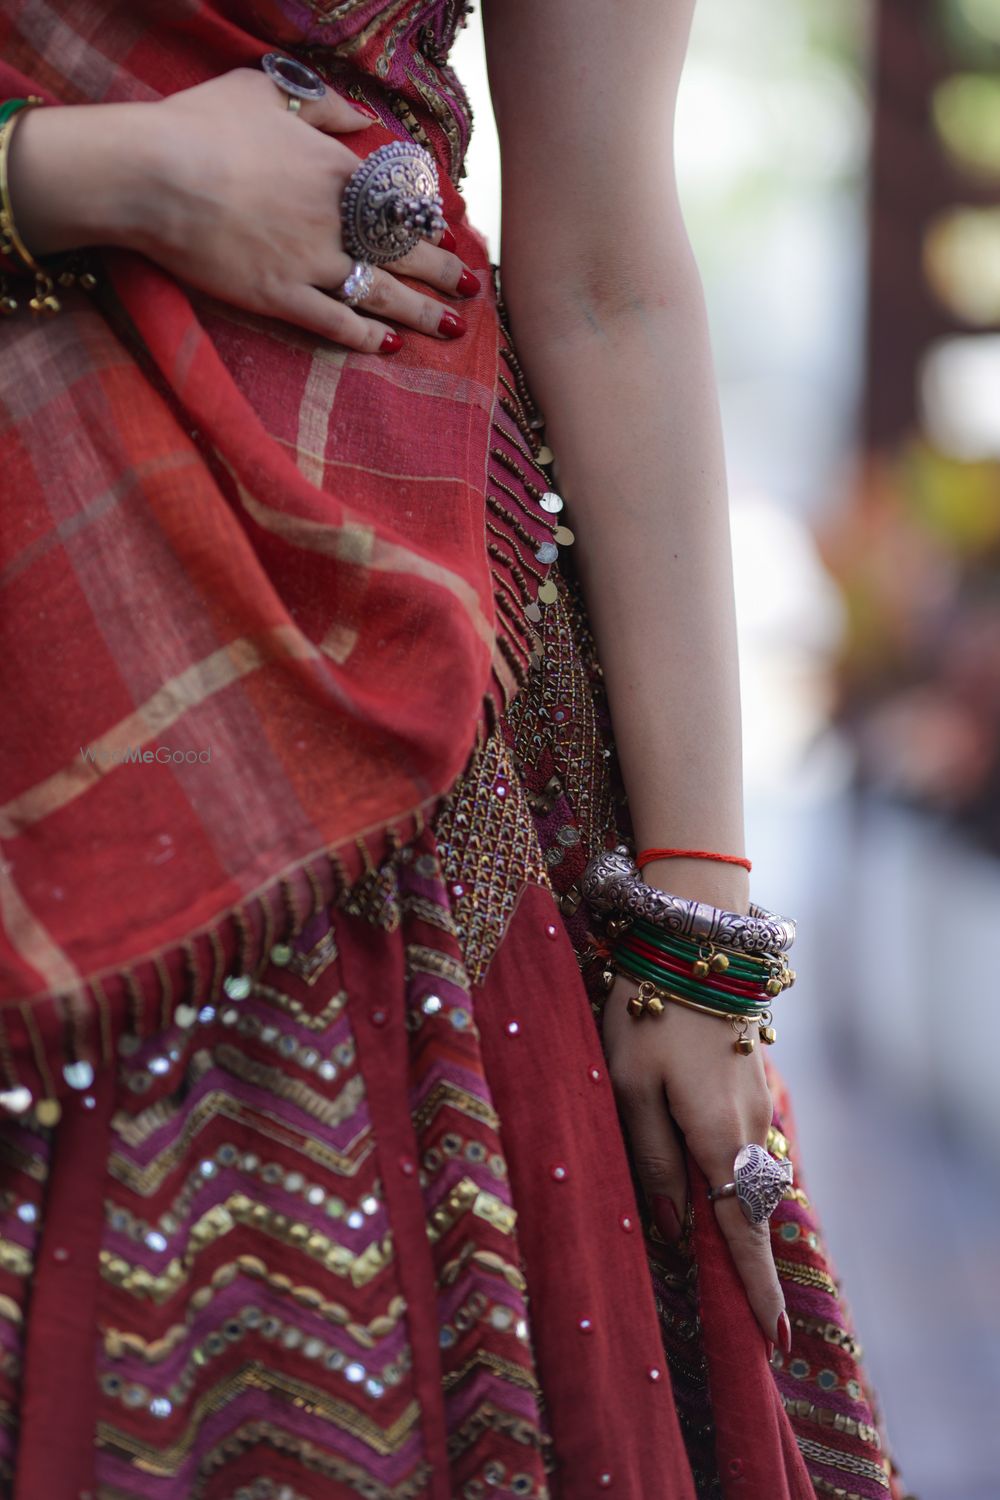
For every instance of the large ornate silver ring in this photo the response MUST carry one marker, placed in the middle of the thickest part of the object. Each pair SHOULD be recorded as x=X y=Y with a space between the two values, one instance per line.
x=391 y=200
x=357 y=285
x=759 y=1184
x=294 y=78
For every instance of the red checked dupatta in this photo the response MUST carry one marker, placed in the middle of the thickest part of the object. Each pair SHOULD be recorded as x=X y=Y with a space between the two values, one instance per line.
x=247 y=622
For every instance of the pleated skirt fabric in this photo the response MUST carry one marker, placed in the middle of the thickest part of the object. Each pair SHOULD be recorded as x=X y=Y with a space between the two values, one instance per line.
x=367 y=1225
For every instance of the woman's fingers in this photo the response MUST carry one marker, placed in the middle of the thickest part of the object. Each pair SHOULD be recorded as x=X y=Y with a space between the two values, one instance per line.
x=750 y=1246
x=439 y=268
x=322 y=314
x=389 y=298
x=656 y=1152
x=333 y=114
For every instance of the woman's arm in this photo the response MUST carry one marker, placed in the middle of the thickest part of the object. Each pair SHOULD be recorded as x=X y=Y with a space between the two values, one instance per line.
x=609 y=321
x=230 y=192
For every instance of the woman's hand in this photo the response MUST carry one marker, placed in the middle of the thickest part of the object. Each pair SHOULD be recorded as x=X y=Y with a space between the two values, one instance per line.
x=232 y=193
x=678 y=1075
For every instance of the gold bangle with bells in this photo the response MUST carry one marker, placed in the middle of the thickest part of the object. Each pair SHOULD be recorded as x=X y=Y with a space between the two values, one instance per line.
x=650 y=999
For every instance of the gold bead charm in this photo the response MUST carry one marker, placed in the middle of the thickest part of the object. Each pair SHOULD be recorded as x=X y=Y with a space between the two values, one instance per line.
x=768 y=1035
x=617 y=926
x=700 y=968
x=744 y=1043
x=635 y=1006
x=719 y=963
x=774 y=987
x=607 y=979
x=48 y=304
x=655 y=1006
x=48 y=1112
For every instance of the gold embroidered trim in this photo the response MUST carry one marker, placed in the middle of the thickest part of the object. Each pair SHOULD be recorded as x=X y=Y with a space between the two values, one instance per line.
x=430 y=912
x=825 y=1416
x=488 y=1417
x=421 y=960
x=375 y=898
x=121 y=1344
x=145 y=1181
x=789 y=1270
x=487 y=1260
x=834 y=1458
x=824 y=1487
x=831 y=1333
x=35 y=1167
x=15 y=1259
x=299 y=1012
x=482 y=1359
x=10 y=1312
x=219 y=1221
x=489 y=851
x=467 y=1197
x=450 y=1095
x=256 y=1376
x=253 y=1433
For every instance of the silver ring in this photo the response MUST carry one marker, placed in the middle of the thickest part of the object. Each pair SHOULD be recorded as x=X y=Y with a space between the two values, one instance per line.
x=357 y=285
x=759 y=1185
x=294 y=78
x=391 y=200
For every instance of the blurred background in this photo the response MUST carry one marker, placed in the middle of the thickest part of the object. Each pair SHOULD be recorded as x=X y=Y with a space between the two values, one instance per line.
x=840 y=170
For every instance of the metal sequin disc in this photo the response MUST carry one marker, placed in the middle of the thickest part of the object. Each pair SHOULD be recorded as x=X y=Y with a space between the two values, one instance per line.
x=15 y=1101
x=551 y=502
x=547 y=552
x=563 y=536
x=545 y=455
x=79 y=1075
x=548 y=593
x=533 y=613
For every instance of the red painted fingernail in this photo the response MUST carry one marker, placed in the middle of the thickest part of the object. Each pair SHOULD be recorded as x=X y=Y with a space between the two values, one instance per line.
x=770 y=1350
x=667 y=1219
x=468 y=285
x=447 y=240
x=366 y=109
x=390 y=343
x=451 y=325
x=784 y=1334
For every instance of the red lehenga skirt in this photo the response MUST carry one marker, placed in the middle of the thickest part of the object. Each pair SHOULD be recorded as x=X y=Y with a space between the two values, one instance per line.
x=366 y=1225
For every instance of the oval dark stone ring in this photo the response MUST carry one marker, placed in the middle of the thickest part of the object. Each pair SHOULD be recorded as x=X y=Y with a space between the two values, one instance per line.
x=293 y=77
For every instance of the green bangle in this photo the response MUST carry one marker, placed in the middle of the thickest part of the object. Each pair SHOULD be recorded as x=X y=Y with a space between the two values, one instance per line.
x=695 y=988
x=728 y=1005
x=684 y=948
x=10 y=107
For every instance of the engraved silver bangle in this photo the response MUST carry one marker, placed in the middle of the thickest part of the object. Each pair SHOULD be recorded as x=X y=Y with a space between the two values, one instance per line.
x=612 y=884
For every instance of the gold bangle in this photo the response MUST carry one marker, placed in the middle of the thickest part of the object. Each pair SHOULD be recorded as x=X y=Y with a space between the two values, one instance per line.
x=650 y=997
x=11 y=243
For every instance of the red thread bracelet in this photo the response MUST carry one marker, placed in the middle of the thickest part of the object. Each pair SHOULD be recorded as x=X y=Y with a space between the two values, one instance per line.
x=647 y=856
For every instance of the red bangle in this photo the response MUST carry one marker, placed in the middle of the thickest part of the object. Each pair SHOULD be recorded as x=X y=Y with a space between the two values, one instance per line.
x=647 y=856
